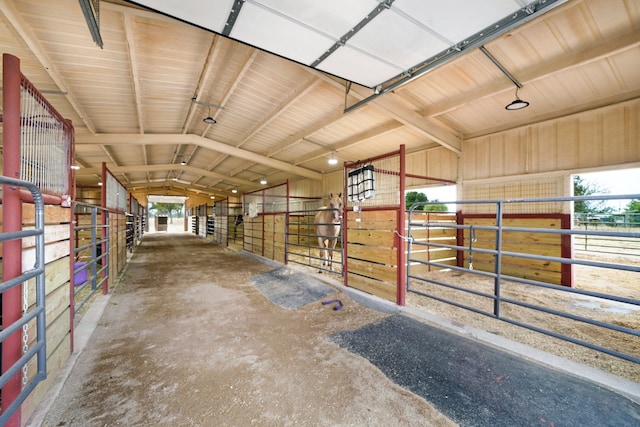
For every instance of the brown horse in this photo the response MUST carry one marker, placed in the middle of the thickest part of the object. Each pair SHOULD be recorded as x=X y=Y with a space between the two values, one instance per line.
x=327 y=228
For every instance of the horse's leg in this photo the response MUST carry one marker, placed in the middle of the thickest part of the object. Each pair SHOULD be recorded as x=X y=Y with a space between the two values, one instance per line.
x=330 y=248
x=322 y=252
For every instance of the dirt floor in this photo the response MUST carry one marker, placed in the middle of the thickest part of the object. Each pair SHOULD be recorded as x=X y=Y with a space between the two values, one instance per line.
x=186 y=340
x=614 y=282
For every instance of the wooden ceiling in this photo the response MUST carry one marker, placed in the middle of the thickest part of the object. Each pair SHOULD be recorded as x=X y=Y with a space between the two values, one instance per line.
x=132 y=102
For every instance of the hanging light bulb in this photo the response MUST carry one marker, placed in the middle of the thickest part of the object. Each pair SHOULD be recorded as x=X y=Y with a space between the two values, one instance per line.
x=332 y=160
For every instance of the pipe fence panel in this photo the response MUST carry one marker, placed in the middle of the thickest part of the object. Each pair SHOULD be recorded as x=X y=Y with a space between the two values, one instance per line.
x=30 y=314
x=520 y=270
x=91 y=250
x=301 y=240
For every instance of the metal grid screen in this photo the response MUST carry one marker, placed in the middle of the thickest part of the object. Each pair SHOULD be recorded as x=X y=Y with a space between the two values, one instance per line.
x=374 y=182
x=45 y=143
x=116 y=196
x=269 y=200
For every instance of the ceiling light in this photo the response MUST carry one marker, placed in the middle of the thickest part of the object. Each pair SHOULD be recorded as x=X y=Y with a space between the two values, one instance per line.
x=332 y=160
x=234 y=191
x=209 y=120
x=183 y=163
x=75 y=167
x=517 y=104
x=213 y=197
x=263 y=181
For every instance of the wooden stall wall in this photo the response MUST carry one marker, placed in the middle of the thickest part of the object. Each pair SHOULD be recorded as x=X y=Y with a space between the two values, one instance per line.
x=373 y=244
x=264 y=235
x=440 y=231
x=57 y=288
x=372 y=252
x=521 y=242
x=301 y=237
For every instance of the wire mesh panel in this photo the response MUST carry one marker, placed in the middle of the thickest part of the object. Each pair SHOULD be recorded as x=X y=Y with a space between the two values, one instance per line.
x=46 y=143
x=263 y=226
x=374 y=182
x=116 y=195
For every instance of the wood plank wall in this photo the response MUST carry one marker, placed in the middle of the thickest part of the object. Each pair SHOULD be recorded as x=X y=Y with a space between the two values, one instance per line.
x=372 y=252
x=264 y=235
x=521 y=242
x=438 y=232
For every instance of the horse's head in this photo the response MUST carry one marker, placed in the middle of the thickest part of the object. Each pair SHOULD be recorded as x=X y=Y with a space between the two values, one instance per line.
x=335 y=203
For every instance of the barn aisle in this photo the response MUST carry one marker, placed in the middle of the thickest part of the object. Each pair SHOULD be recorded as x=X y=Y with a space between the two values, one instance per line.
x=185 y=339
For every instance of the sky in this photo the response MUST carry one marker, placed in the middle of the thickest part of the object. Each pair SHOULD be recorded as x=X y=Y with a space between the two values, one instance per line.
x=626 y=181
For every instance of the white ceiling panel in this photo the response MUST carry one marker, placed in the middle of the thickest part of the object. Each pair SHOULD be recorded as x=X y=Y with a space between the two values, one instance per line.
x=397 y=41
x=321 y=15
x=357 y=66
x=455 y=20
x=279 y=34
x=401 y=34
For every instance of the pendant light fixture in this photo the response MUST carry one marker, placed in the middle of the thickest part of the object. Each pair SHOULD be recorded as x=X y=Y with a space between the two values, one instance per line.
x=332 y=160
x=209 y=120
x=517 y=104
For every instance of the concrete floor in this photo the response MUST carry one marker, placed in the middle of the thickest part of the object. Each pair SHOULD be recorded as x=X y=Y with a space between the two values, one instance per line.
x=186 y=339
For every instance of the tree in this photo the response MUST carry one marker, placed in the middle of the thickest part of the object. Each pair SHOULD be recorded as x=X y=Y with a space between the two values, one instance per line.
x=589 y=207
x=415 y=197
x=162 y=208
x=633 y=207
x=434 y=206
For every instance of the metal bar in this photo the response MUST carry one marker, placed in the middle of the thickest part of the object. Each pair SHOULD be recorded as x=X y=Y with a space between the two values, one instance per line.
x=498 y=277
x=500 y=67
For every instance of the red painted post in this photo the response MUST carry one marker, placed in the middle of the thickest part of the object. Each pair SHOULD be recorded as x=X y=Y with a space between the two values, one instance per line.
x=402 y=258
x=12 y=221
x=105 y=212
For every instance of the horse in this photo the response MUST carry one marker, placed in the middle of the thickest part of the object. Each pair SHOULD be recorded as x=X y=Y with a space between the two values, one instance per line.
x=327 y=228
x=239 y=220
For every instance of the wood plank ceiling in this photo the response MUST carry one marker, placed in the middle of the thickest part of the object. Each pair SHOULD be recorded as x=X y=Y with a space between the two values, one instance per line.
x=132 y=102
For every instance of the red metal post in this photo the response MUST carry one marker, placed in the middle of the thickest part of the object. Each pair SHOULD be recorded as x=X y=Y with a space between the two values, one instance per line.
x=12 y=221
x=105 y=212
x=402 y=257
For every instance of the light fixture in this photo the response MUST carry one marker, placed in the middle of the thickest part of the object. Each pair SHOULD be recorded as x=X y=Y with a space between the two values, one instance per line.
x=234 y=191
x=213 y=197
x=183 y=163
x=517 y=104
x=209 y=120
x=75 y=167
x=332 y=160
x=263 y=181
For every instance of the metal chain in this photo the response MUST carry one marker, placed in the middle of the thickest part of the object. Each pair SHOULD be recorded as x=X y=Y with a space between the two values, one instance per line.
x=25 y=329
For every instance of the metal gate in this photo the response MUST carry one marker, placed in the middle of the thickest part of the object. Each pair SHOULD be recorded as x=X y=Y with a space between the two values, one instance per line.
x=37 y=312
x=517 y=256
x=90 y=253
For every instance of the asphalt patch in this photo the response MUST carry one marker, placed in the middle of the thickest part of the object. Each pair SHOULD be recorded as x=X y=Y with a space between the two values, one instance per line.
x=290 y=289
x=477 y=385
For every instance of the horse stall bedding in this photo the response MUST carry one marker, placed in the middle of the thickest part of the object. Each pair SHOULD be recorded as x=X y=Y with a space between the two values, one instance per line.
x=290 y=289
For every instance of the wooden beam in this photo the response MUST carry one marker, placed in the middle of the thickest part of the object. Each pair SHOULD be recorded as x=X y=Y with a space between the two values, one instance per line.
x=172 y=139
